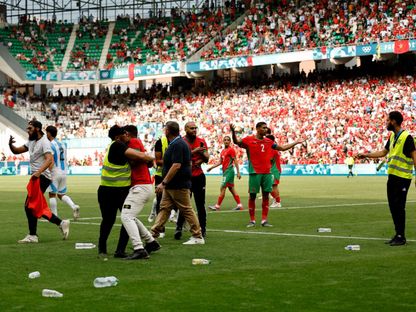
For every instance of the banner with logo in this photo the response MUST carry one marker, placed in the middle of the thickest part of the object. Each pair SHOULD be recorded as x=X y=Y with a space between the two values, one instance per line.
x=133 y=71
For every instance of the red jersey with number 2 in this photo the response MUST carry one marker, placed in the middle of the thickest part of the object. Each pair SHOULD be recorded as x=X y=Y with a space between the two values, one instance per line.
x=259 y=153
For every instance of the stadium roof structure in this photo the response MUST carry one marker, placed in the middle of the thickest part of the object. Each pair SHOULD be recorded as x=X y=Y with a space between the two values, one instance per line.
x=71 y=10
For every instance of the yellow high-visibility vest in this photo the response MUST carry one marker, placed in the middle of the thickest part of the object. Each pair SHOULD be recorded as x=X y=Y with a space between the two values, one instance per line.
x=399 y=164
x=115 y=175
x=165 y=145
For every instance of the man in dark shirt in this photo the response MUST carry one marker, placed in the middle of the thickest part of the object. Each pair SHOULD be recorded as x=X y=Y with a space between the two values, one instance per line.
x=114 y=188
x=402 y=158
x=176 y=184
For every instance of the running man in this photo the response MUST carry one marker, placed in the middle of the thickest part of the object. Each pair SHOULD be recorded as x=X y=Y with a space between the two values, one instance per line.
x=259 y=151
x=228 y=160
x=58 y=185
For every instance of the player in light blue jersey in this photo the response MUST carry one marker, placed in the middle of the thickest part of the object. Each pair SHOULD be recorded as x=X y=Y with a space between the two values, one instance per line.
x=58 y=185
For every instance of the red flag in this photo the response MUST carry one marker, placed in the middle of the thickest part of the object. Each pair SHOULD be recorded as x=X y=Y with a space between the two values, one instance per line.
x=131 y=71
x=36 y=200
x=250 y=61
x=401 y=46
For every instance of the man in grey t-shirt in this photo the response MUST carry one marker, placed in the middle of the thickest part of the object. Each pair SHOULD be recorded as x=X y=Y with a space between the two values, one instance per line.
x=41 y=161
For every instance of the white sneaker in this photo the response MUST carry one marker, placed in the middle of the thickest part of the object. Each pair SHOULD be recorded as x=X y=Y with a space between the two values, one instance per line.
x=274 y=204
x=151 y=217
x=75 y=212
x=65 y=228
x=29 y=239
x=172 y=217
x=278 y=205
x=162 y=235
x=195 y=241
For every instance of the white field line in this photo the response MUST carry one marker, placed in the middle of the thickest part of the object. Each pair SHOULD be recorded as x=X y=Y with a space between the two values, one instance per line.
x=273 y=233
x=284 y=208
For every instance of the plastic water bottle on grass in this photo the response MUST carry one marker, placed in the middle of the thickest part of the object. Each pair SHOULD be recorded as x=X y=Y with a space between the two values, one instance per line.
x=51 y=293
x=84 y=246
x=101 y=282
x=200 y=261
x=353 y=247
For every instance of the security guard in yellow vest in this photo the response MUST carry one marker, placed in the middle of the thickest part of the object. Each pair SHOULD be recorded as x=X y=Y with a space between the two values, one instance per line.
x=402 y=159
x=114 y=187
x=161 y=146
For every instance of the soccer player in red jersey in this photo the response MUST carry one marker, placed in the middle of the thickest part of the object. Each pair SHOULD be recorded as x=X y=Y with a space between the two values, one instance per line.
x=259 y=151
x=199 y=150
x=276 y=171
x=228 y=161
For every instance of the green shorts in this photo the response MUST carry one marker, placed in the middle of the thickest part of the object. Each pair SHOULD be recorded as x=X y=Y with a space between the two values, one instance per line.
x=228 y=178
x=276 y=175
x=257 y=181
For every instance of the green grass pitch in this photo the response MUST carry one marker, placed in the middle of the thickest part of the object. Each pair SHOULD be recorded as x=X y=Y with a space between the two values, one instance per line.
x=289 y=267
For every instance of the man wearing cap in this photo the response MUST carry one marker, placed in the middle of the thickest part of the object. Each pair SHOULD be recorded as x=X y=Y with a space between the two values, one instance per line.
x=114 y=187
x=41 y=159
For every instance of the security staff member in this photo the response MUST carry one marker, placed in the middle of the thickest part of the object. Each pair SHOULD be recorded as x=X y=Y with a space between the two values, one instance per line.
x=402 y=158
x=199 y=150
x=114 y=187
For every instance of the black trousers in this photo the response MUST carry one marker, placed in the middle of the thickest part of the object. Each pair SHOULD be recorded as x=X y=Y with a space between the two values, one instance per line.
x=110 y=200
x=397 y=189
x=198 y=192
x=32 y=221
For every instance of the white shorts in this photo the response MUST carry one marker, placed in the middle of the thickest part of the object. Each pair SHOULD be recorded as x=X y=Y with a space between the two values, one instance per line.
x=58 y=184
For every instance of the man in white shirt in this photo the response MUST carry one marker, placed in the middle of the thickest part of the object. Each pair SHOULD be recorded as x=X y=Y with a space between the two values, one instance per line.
x=40 y=152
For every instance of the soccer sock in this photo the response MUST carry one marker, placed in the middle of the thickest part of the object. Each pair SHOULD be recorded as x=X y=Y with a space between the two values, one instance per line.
x=251 y=209
x=277 y=199
x=67 y=200
x=220 y=199
x=265 y=208
x=274 y=195
x=53 y=205
x=237 y=199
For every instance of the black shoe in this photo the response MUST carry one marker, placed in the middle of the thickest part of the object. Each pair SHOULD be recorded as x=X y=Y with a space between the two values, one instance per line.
x=138 y=254
x=152 y=246
x=391 y=240
x=398 y=241
x=178 y=234
x=120 y=254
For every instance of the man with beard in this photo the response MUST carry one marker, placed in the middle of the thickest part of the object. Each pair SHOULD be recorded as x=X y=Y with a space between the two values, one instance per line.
x=260 y=153
x=402 y=157
x=199 y=150
x=41 y=159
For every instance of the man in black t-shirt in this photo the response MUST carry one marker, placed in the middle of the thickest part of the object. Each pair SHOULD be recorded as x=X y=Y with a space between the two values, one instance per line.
x=176 y=184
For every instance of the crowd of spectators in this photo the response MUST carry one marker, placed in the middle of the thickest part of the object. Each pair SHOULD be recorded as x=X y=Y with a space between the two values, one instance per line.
x=162 y=39
x=33 y=41
x=340 y=112
x=289 y=25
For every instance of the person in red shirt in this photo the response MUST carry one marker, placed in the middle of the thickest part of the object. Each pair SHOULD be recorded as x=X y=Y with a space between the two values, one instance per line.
x=199 y=150
x=260 y=152
x=276 y=171
x=228 y=160
x=139 y=194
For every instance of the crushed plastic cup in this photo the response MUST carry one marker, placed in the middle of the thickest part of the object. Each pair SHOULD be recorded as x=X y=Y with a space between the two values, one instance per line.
x=84 y=246
x=34 y=275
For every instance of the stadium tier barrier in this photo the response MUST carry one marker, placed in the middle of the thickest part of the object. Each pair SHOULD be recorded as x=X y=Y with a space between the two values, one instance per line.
x=23 y=168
